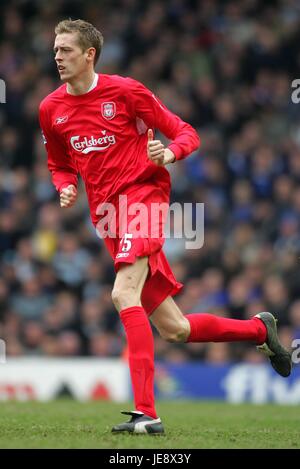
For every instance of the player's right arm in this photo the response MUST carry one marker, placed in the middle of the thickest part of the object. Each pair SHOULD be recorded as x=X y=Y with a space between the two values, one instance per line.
x=68 y=196
x=63 y=171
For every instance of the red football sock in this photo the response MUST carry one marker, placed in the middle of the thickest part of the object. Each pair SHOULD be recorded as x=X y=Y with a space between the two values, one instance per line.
x=140 y=357
x=210 y=328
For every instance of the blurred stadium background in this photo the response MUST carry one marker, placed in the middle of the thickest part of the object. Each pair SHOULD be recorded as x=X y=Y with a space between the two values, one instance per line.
x=225 y=67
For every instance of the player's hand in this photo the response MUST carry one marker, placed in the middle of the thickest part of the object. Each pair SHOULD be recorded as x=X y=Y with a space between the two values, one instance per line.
x=68 y=196
x=157 y=152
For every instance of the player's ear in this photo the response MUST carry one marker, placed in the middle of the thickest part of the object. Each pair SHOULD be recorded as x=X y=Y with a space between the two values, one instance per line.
x=91 y=52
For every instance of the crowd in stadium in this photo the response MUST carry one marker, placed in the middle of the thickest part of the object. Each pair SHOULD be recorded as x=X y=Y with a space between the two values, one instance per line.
x=227 y=69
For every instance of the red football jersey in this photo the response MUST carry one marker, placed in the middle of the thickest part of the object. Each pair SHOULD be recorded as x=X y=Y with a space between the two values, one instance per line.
x=102 y=135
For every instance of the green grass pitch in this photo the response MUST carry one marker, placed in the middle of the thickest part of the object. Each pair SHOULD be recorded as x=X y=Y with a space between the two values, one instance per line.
x=70 y=424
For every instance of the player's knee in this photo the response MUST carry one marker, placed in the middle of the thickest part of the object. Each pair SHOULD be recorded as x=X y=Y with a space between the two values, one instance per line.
x=125 y=298
x=176 y=334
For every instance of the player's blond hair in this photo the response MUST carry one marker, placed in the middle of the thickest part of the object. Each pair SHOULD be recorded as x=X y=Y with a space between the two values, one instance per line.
x=88 y=35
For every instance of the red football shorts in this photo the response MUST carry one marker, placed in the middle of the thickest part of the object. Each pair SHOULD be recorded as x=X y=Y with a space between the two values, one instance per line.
x=138 y=232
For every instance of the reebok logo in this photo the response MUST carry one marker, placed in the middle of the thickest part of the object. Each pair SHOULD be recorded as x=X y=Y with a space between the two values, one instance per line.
x=87 y=144
x=61 y=120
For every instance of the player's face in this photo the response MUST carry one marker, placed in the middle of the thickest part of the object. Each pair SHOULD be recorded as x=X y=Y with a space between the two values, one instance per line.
x=69 y=57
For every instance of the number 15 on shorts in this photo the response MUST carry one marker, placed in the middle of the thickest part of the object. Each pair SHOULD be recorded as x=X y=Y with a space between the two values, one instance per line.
x=125 y=242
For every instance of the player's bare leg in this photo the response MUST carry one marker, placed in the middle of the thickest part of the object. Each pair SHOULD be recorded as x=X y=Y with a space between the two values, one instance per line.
x=126 y=296
x=175 y=327
x=129 y=284
x=170 y=322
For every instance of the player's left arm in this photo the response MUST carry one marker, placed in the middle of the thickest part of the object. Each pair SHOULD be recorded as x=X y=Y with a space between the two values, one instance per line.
x=157 y=152
x=184 y=138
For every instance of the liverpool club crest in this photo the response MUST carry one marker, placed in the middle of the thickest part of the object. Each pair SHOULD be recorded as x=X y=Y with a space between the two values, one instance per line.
x=108 y=110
